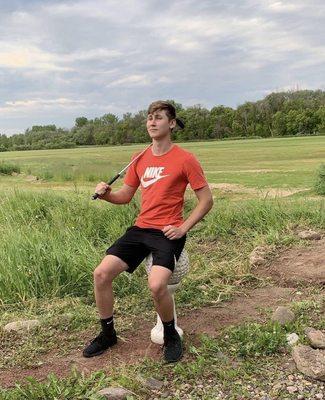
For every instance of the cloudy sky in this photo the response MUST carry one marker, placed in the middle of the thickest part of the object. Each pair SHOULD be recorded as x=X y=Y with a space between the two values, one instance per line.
x=64 y=59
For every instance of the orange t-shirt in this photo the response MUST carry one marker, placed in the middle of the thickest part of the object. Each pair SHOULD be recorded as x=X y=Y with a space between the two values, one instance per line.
x=163 y=180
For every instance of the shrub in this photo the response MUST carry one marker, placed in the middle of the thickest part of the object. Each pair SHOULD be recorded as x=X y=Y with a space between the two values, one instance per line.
x=320 y=180
x=8 y=168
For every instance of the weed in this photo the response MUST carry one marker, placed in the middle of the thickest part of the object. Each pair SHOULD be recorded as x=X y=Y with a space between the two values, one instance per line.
x=8 y=168
x=320 y=180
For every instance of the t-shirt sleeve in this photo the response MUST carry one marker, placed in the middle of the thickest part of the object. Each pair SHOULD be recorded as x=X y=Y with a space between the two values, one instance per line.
x=131 y=177
x=194 y=173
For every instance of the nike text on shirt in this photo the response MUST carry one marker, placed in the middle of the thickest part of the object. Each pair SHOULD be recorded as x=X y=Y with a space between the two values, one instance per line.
x=153 y=174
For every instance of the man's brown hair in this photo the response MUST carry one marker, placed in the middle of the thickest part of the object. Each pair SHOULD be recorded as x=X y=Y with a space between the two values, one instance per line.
x=168 y=108
x=160 y=105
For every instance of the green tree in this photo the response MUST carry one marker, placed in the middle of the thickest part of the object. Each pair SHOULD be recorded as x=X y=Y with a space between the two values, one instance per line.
x=80 y=122
x=279 y=124
x=221 y=120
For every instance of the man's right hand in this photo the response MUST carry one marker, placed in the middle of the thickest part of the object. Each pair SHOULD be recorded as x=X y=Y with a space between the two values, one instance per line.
x=103 y=189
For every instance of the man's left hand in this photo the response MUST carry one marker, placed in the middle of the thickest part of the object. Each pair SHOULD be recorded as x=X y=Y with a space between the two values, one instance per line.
x=173 y=232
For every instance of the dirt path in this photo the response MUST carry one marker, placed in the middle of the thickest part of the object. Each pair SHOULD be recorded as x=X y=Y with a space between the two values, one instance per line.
x=265 y=192
x=137 y=345
x=298 y=266
x=288 y=271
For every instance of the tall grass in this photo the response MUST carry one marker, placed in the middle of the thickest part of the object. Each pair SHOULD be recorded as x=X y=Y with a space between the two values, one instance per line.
x=51 y=242
x=320 y=180
x=7 y=168
x=261 y=217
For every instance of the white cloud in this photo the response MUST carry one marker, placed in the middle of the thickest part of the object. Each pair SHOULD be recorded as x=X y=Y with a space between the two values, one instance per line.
x=19 y=55
x=26 y=56
x=140 y=80
x=183 y=44
x=18 y=106
x=313 y=56
x=280 y=6
x=131 y=80
x=94 y=54
x=114 y=10
x=262 y=40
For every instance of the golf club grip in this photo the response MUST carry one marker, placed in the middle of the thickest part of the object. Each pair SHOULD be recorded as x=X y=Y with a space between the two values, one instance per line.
x=96 y=195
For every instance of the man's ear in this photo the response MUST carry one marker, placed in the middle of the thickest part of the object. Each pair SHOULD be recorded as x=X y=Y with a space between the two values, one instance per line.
x=172 y=124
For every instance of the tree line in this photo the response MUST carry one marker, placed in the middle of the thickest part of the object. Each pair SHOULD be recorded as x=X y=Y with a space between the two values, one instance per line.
x=278 y=114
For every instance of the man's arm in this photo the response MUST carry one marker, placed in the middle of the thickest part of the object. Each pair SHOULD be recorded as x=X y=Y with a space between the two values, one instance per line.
x=204 y=205
x=121 y=196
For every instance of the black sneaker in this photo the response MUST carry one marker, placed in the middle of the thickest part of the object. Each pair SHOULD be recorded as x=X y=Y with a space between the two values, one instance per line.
x=98 y=345
x=173 y=348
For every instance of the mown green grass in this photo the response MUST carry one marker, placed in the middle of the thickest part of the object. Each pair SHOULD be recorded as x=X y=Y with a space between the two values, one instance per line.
x=285 y=161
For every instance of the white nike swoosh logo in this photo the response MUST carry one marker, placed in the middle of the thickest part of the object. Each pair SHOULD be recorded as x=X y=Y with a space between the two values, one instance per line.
x=151 y=181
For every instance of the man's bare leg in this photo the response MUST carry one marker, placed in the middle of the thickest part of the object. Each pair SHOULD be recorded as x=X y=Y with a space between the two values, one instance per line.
x=109 y=268
x=158 y=282
x=104 y=274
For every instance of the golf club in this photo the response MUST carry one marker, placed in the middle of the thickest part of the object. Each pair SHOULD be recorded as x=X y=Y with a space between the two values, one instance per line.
x=96 y=195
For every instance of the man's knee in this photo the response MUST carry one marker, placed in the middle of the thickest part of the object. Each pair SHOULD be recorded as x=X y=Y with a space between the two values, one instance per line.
x=102 y=277
x=108 y=269
x=158 y=288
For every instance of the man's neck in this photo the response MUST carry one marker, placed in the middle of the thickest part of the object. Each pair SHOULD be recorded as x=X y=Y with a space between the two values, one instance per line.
x=161 y=147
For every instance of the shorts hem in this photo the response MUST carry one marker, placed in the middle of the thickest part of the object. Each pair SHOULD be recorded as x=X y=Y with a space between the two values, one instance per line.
x=112 y=253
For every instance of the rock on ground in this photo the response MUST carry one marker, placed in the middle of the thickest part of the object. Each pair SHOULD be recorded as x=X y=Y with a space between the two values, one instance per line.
x=309 y=361
x=154 y=384
x=22 y=325
x=292 y=339
x=316 y=338
x=309 y=235
x=258 y=256
x=115 y=393
x=283 y=315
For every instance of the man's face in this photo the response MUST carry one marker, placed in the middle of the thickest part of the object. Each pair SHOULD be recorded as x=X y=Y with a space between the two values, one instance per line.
x=158 y=124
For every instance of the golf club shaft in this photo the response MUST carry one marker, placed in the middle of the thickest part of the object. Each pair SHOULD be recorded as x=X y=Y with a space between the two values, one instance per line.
x=96 y=195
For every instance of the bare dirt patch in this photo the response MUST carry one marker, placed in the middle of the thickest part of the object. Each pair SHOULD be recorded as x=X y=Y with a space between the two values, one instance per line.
x=31 y=178
x=265 y=192
x=247 y=307
x=136 y=345
x=246 y=170
x=298 y=265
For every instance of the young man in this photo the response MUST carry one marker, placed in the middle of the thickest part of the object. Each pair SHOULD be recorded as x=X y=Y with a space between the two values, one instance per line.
x=162 y=173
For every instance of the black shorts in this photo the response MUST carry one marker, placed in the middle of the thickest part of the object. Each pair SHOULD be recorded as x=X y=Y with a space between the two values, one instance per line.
x=137 y=243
